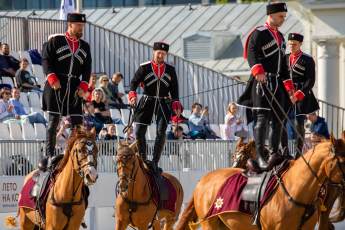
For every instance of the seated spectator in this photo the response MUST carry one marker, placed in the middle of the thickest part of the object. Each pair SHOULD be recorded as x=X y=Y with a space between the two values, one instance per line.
x=6 y=109
x=234 y=125
x=130 y=134
x=116 y=95
x=19 y=111
x=198 y=123
x=25 y=82
x=176 y=133
x=8 y=64
x=178 y=118
x=90 y=120
x=111 y=134
x=63 y=133
x=103 y=85
x=318 y=128
x=102 y=133
x=102 y=113
x=92 y=85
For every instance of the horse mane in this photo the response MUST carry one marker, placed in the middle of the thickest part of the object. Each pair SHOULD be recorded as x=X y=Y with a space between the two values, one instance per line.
x=76 y=135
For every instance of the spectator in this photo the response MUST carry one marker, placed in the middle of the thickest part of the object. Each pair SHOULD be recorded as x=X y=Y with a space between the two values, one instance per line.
x=176 y=133
x=8 y=64
x=6 y=109
x=19 y=111
x=102 y=113
x=178 y=118
x=130 y=134
x=198 y=123
x=318 y=128
x=92 y=86
x=103 y=84
x=90 y=120
x=102 y=133
x=26 y=82
x=63 y=133
x=116 y=95
x=111 y=134
x=234 y=125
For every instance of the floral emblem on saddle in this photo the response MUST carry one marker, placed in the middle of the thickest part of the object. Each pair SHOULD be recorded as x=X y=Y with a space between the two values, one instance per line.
x=219 y=203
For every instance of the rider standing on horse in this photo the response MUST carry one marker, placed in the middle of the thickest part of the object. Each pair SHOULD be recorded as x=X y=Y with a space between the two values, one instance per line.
x=265 y=97
x=302 y=74
x=66 y=57
x=159 y=81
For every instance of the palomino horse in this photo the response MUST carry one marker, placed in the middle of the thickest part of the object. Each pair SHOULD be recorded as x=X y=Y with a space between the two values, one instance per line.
x=134 y=205
x=65 y=207
x=283 y=210
x=333 y=191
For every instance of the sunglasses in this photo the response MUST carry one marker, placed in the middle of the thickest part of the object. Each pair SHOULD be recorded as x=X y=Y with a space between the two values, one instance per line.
x=105 y=80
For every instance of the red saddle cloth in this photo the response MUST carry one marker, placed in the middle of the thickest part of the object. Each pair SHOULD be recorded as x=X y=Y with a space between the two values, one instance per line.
x=25 y=198
x=166 y=204
x=229 y=197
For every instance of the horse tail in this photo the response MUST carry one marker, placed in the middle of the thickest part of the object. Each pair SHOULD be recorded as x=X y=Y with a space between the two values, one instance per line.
x=339 y=211
x=11 y=222
x=187 y=216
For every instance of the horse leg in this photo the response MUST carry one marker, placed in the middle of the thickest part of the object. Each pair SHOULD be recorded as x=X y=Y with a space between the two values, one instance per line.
x=237 y=220
x=24 y=221
x=156 y=224
x=170 y=220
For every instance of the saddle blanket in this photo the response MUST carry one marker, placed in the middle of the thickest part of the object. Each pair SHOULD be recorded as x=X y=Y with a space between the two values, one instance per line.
x=166 y=204
x=26 y=200
x=229 y=197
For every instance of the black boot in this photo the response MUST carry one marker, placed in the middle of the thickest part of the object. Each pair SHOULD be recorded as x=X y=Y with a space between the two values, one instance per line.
x=273 y=160
x=259 y=165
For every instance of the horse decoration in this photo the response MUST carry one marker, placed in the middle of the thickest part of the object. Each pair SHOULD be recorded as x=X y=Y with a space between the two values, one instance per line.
x=138 y=203
x=64 y=198
x=293 y=192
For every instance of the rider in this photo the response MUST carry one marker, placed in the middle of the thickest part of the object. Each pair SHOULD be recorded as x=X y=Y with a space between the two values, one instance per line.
x=159 y=81
x=66 y=57
x=265 y=51
x=302 y=73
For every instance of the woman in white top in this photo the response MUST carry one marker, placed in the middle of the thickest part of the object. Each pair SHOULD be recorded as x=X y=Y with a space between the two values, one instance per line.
x=232 y=123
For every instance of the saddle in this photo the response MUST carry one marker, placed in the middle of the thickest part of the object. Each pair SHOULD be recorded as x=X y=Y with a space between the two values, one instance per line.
x=258 y=189
x=159 y=182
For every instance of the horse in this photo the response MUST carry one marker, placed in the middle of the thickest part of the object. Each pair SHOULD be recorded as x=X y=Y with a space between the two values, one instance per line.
x=65 y=206
x=333 y=191
x=286 y=206
x=134 y=205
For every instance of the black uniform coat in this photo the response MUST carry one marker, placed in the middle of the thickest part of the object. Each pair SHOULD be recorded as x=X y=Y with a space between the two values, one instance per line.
x=58 y=58
x=302 y=73
x=263 y=49
x=159 y=93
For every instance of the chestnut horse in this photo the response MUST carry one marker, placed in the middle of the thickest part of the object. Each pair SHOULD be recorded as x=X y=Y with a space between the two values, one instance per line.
x=76 y=170
x=134 y=188
x=303 y=180
x=244 y=151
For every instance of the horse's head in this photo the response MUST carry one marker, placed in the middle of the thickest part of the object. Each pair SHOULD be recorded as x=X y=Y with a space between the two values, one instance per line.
x=242 y=153
x=82 y=150
x=125 y=162
x=335 y=165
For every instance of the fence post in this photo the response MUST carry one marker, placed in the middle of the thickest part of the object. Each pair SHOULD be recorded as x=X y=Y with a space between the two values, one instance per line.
x=26 y=35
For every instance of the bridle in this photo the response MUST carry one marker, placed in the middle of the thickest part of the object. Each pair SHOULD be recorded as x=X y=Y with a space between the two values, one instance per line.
x=91 y=162
x=122 y=160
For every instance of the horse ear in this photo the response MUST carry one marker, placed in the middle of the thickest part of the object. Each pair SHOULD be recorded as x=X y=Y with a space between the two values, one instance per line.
x=134 y=147
x=93 y=133
x=332 y=138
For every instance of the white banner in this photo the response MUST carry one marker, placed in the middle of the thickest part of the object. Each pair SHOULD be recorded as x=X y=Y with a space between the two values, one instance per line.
x=10 y=187
x=67 y=6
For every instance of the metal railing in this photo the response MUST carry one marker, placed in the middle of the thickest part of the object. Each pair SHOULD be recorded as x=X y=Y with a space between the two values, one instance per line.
x=18 y=158
x=334 y=116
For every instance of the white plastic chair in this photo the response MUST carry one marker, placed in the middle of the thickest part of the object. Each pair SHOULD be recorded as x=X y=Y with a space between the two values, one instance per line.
x=24 y=99
x=25 y=54
x=28 y=131
x=7 y=80
x=115 y=114
x=186 y=113
x=125 y=116
x=40 y=131
x=119 y=130
x=15 y=131
x=5 y=133
x=34 y=100
x=215 y=128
